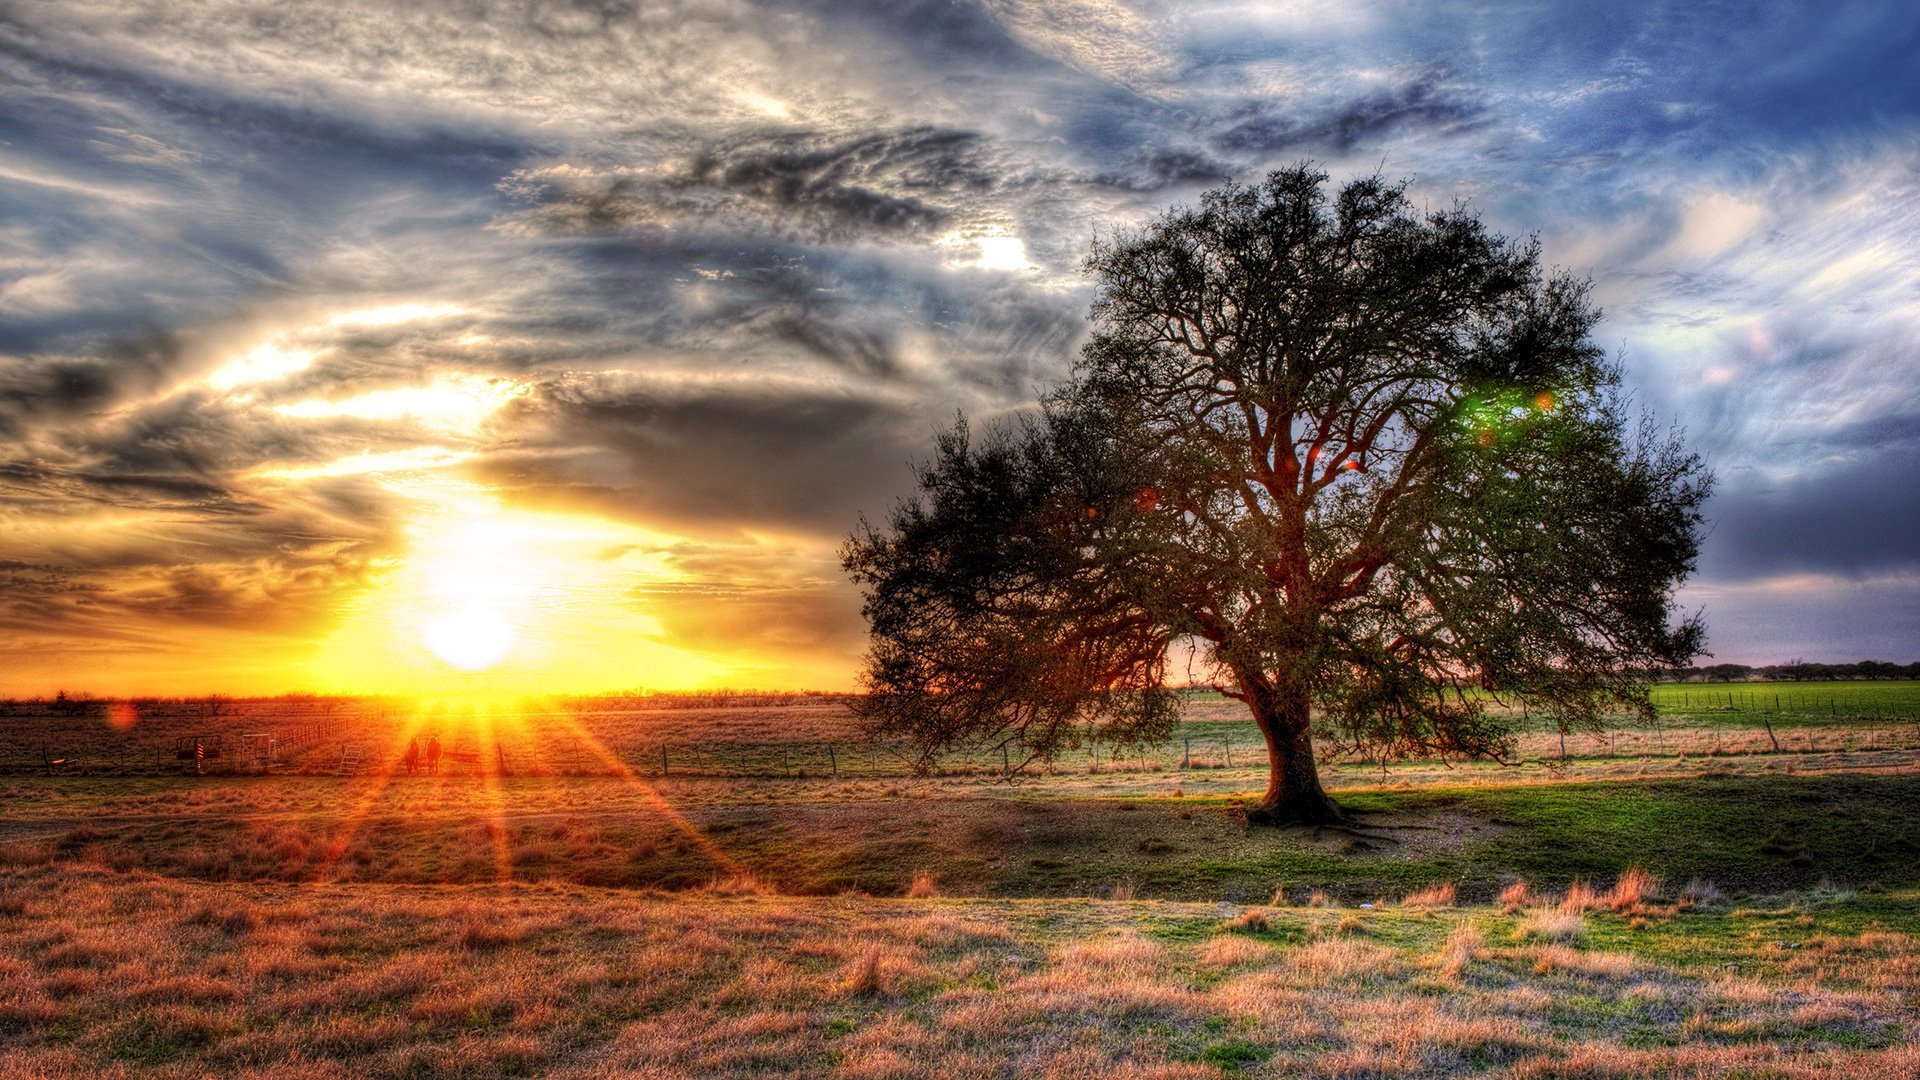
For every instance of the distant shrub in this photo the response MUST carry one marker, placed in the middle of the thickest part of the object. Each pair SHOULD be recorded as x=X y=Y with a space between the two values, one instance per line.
x=923 y=886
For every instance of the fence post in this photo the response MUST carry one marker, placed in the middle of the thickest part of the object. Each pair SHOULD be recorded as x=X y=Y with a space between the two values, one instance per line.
x=1186 y=759
x=834 y=760
x=1228 y=739
x=663 y=761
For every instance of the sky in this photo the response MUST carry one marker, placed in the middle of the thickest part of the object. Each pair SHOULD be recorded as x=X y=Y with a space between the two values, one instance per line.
x=420 y=346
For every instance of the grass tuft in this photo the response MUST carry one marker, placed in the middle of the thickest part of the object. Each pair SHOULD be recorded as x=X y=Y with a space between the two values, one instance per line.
x=1442 y=895
x=1557 y=925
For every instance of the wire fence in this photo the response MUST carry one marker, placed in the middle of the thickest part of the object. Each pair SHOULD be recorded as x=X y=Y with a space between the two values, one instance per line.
x=333 y=746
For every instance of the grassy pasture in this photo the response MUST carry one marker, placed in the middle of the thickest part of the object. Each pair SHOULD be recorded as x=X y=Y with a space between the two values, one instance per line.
x=1795 y=701
x=823 y=738
x=1110 y=920
x=1757 y=832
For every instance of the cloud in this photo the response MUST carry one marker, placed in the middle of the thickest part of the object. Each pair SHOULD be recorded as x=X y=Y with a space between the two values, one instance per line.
x=1108 y=40
x=1429 y=101
x=1816 y=617
x=756 y=603
x=1849 y=519
x=715 y=459
x=722 y=268
x=893 y=185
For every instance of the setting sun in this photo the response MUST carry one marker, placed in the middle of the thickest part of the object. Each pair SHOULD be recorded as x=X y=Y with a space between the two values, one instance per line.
x=486 y=600
x=472 y=639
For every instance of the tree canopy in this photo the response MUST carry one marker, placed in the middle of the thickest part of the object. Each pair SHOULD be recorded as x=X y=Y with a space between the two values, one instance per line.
x=1365 y=461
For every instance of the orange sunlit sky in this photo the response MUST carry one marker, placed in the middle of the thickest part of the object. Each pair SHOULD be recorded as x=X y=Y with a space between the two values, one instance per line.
x=362 y=345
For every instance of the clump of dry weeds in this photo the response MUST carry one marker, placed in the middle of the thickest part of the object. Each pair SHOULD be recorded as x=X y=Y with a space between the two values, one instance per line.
x=1441 y=895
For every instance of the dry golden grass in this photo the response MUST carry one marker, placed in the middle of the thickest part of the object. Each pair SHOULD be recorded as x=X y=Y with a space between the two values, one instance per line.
x=1557 y=924
x=1442 y=895
x=1632 y=892
x=108 y=973
x=1250 y=921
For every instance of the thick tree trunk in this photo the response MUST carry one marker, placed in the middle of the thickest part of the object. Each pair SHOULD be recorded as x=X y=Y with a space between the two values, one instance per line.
x=1294 y=795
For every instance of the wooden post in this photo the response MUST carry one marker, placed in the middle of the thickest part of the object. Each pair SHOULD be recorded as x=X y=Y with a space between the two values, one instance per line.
x=1228 y=739
x=833 y=760
x=1770 y=738
x=1186 y=759
x=663 y=760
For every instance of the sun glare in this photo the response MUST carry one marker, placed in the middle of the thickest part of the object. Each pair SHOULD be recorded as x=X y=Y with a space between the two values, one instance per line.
x=471 y=640
x=488 y=602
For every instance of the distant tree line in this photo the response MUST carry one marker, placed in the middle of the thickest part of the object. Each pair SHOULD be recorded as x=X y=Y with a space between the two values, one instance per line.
x=65 y=703
x=1793 y=671
x=699 y=699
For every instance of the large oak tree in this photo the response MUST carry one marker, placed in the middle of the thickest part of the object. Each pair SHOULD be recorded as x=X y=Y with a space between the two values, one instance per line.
x=1366 y=461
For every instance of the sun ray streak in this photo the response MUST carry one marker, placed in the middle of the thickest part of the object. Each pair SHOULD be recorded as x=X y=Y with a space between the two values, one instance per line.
x=492 y=793
x=390 y=756
x=659 y=803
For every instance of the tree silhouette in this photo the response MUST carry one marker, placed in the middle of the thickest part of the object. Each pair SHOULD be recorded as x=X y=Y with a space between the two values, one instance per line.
x=1365 y=460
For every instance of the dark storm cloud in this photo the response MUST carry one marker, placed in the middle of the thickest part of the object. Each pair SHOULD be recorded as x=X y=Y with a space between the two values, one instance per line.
x=34 y=391
x=712 y=459
x=1854 y=518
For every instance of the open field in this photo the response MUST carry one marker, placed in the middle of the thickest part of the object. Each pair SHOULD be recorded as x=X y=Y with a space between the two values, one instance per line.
x=1720 y=909
x=823 y=738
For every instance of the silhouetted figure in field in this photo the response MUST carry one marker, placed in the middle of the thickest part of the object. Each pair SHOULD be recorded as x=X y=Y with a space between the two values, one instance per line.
x=433 y=755
x=413 y=756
